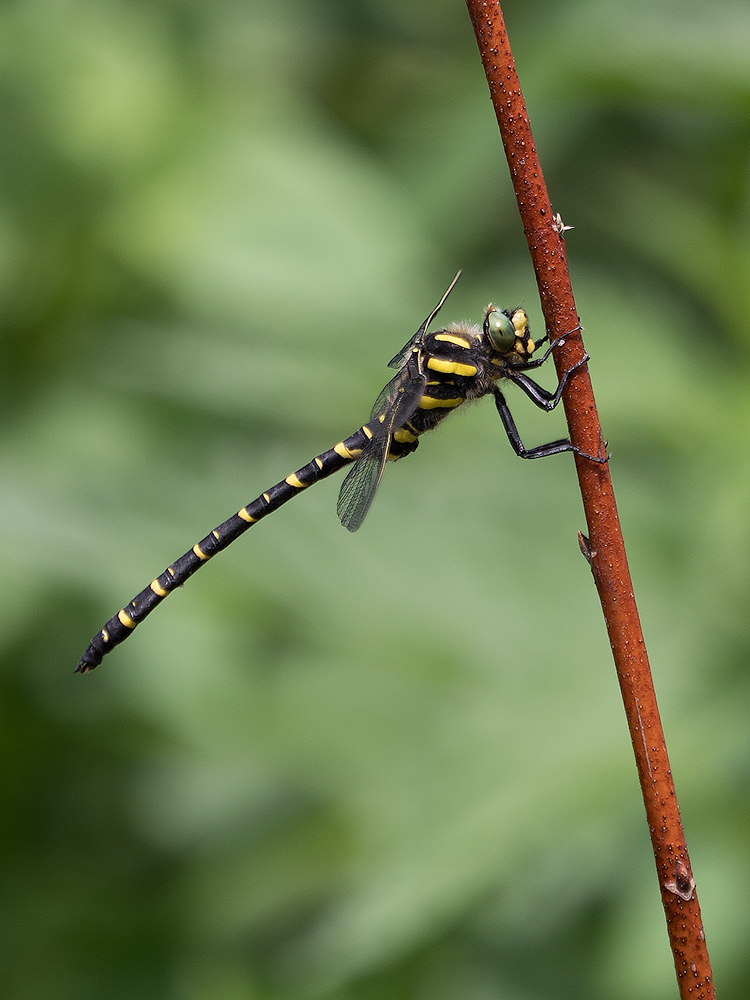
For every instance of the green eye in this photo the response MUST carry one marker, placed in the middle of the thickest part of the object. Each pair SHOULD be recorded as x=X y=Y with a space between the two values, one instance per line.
x=500 y=331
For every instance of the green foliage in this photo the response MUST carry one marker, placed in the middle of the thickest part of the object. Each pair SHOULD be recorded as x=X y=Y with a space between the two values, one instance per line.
x=390 y=764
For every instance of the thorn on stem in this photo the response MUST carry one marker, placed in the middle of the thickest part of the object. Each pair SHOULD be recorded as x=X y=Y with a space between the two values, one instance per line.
x=683 y=883
x=559 y=226
x=585 y=547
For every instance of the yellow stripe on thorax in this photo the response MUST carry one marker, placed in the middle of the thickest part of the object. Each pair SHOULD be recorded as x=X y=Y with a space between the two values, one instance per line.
x=404 y=436
x=432 y=403
x=451 y=367
x=452 y=338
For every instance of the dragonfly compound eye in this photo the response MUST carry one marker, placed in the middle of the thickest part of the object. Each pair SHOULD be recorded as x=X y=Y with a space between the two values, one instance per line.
x=500 y=330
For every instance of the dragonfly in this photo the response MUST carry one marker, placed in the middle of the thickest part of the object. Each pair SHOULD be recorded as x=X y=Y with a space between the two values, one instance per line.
x=437 y=372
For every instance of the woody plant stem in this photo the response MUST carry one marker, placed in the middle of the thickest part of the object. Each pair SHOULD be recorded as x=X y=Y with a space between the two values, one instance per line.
x=604 y=548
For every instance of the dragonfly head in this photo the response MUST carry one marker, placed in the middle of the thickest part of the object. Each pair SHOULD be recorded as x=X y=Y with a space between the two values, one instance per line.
x=508 y=332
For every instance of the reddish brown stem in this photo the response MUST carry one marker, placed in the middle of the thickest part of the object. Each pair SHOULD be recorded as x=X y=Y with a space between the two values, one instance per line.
x=604 y=549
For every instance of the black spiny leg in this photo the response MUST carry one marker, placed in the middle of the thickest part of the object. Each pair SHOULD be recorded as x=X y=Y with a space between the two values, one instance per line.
x=545 y=400
x=524 y=366
x=542 y=450
x=542 y=398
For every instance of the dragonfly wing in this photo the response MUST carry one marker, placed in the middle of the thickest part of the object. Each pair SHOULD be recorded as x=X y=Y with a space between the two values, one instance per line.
x=400 y=359
x=393 y=407
x=399 y=399
x=361 y=484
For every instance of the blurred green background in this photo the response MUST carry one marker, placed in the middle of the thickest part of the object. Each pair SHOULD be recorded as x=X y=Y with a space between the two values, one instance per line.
x=390 y=764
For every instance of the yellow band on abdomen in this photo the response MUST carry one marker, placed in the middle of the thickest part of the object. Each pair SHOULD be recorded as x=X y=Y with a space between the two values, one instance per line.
x=296 y=482
x=126 y=620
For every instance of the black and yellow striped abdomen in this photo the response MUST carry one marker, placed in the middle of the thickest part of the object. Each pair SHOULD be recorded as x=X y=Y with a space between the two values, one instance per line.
x=121 y=625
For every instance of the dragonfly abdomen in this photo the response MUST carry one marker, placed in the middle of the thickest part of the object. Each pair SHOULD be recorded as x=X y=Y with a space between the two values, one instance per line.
x=121 y=625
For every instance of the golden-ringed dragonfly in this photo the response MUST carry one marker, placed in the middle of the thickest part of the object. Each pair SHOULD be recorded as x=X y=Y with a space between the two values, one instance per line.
x=436 y=373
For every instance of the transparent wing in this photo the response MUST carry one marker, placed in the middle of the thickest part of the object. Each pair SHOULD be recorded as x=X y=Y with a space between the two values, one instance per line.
x=399 y=399
x=393 y=407
x=361 y=484
x=400 y=359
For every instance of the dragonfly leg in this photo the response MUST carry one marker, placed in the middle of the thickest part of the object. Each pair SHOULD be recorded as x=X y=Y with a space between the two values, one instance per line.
x=541 y=397
x=524 y=366
x=541 y=450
